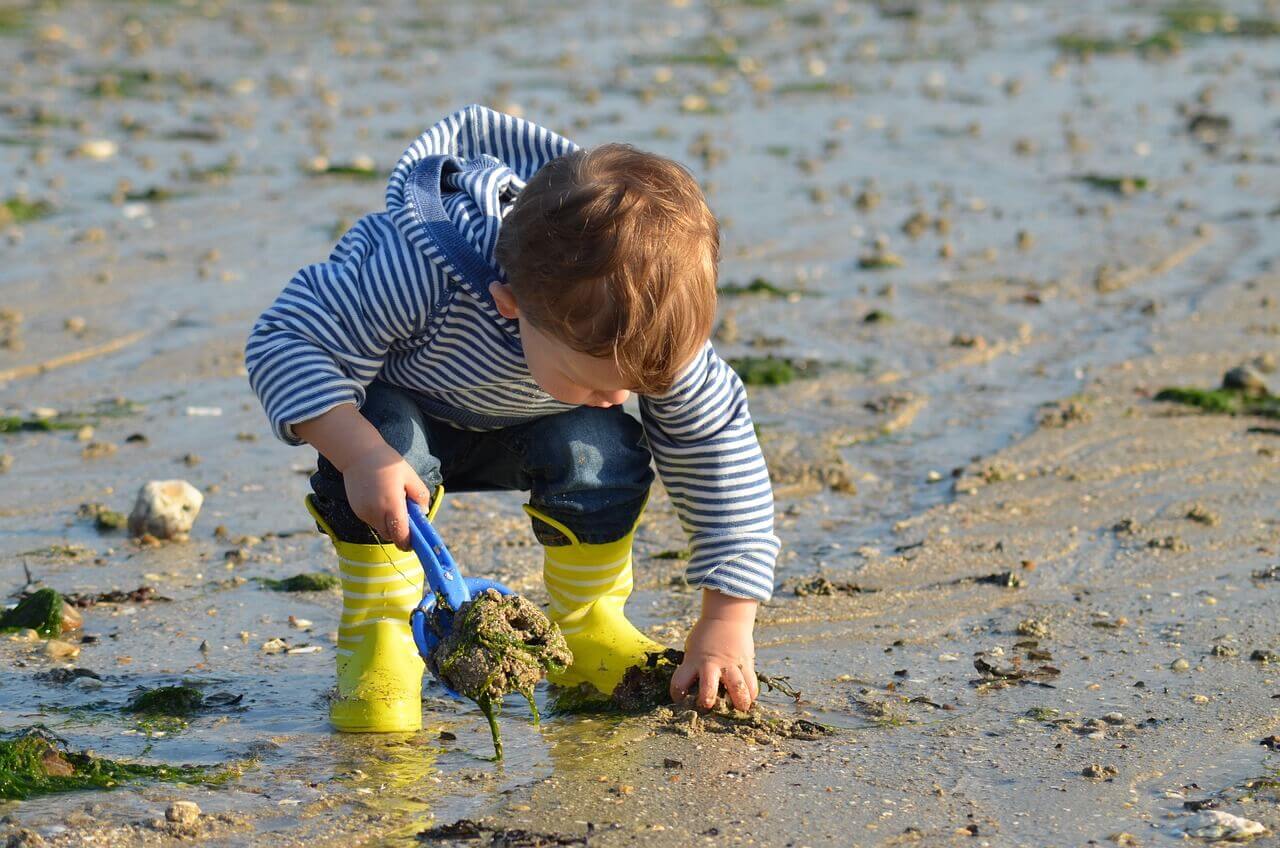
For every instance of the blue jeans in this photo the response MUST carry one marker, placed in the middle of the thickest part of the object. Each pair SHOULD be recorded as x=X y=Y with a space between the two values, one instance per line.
x=588 y=468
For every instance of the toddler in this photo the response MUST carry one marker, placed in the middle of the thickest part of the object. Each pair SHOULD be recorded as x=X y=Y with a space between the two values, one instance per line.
x=483 y=333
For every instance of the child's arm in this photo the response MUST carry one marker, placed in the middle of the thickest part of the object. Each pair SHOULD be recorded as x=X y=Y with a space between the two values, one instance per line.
x=709 y=458
x=324 y=339
x=720 y=649
x=376 y=476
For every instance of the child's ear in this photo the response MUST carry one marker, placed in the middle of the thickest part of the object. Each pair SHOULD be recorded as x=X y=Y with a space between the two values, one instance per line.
x=505 y=300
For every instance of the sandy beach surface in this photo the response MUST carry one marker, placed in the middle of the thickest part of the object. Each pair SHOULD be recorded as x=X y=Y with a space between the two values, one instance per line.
x=1034 y=605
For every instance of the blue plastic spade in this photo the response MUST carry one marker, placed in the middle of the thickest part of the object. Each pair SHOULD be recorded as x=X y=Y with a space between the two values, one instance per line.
x=447 y=591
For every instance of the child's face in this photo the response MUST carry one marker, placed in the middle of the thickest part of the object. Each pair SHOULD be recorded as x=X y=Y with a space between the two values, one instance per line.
x=568 y=375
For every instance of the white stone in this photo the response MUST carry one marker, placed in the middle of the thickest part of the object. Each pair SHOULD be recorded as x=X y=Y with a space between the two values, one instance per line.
x=166 y=509
x=1216 y=825
x=183 y=812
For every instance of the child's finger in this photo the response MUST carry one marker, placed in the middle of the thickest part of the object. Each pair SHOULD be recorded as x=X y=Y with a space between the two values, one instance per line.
x=753 y=682
x=708 y=685
x=396 y=530
x=736 y=685
x=680 y=681
x=418 y=492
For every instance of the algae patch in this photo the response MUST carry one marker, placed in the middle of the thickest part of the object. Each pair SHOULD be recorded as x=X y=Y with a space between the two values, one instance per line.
x=41 y=611
x=771 y=370
x=310 y=582
x=35 y=762
x=174 y=701
x=1224 y=401
x=497 y=644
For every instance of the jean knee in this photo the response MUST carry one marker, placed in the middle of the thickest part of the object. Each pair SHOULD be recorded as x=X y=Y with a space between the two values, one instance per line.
x=594 y=448
x=591 y=471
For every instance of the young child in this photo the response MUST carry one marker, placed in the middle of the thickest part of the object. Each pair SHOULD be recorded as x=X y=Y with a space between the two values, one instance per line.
x=483 y=333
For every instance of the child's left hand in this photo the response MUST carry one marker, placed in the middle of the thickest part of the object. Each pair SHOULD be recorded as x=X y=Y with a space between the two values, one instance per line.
x=720 y=649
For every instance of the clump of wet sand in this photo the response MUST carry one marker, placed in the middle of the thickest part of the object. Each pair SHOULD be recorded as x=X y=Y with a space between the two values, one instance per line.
x=498 y=644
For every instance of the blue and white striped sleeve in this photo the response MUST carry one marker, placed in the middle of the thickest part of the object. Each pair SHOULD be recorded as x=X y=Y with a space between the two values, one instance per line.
x=707 y=454
x=325 y=337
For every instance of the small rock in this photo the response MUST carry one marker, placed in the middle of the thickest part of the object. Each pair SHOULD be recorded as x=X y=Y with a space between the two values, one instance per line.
x=1179 y=665
x=98 y=148
x=60 y=650
x=1245 y=378
x=1123 y=838
x=24 y=838
x=1094 y=771
x=1217 y=825
x=1203 y=515
x=165 y=509
x=1035 y=627
x=183 y=812
x=274 y=646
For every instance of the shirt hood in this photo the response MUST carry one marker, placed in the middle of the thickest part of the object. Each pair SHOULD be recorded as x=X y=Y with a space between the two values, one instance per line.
x=450 y=190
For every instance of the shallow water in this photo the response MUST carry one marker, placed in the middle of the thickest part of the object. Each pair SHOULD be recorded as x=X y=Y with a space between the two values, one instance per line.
x=927 y=111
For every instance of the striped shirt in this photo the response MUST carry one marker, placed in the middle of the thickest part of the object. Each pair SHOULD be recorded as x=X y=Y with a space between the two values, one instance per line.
x=404 y=297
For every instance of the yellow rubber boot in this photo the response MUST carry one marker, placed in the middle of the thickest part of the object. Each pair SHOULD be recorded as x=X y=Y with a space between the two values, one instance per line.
x=379 y=670
x=589 y=585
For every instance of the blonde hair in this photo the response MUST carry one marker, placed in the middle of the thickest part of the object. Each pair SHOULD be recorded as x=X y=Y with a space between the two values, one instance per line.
x=613 y=251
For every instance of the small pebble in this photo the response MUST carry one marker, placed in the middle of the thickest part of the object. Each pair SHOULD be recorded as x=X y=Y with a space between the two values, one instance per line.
x=183 y=812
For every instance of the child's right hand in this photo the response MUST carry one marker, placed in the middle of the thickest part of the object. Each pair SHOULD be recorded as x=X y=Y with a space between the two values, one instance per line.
x=376 y=476
x=377 y=482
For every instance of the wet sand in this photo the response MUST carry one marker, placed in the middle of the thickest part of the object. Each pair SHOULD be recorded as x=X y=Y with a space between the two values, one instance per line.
x=995 y=415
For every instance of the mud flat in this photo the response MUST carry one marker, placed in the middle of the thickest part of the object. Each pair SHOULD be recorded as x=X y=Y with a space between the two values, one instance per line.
x=1037 y=604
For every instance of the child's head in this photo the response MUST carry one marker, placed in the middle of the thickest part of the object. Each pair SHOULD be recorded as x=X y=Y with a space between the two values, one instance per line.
x=610 y=255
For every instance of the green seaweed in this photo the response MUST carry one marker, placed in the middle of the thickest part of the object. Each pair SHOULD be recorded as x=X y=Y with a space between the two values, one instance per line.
x=763 y=370
x=133 y=83
x=40 y=611
x=13 y=20
x=815 y=87
x=1199 y=18
x=1224 y=401
x=758 y=286
x=354 y=171
x=113 y=408
x=879 y=261
x=35 y=762
x=20 y=210
x=1117 y=184
x=1082 y=44
x=172 y=701
x=14 y=424
x=104 y=520
x=315 y=581
x=771 y=370
x=217 y=172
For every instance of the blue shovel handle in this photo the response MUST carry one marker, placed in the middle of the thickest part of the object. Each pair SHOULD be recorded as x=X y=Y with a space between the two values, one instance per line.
x=442 y=572
x=445 y=584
